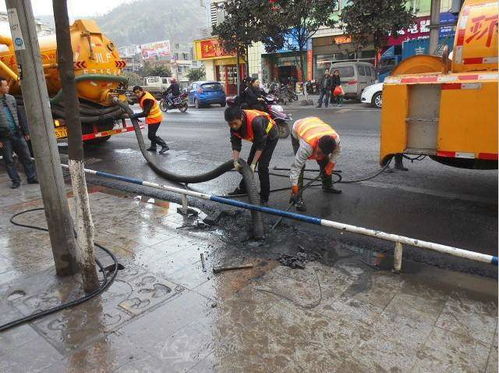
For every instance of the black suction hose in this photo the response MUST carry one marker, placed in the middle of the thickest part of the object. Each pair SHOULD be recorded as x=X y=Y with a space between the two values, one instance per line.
x=258 y=230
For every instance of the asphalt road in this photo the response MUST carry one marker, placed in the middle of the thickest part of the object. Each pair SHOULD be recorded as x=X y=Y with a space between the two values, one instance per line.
x=430 y=202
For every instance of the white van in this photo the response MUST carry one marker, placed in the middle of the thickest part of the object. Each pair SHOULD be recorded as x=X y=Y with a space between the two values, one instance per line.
x=354 y=77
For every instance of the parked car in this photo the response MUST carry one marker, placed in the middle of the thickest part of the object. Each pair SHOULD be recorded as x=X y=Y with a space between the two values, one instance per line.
x=354 y=77
x=373 y=95
x=205 y=93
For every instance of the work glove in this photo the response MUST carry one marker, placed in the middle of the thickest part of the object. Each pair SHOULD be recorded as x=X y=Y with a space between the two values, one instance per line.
x=253 y=166
x=237 y=165
x=328 y=170
x=295 y=195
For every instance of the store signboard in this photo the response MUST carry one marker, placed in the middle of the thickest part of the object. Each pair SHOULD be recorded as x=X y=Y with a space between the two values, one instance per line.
x=421 y=29
x=212 y=49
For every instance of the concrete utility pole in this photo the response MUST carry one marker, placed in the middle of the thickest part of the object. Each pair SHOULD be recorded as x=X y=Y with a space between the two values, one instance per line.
x=36 y=101
x=434 y=26
x=83 y=216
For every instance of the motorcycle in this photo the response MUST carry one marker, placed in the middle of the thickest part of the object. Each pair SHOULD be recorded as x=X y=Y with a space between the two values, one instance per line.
x=179 y=103
x=276 y=113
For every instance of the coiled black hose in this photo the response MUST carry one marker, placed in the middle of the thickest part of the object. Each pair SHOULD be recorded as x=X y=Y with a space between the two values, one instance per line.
x=107 y=281
x=258 y=230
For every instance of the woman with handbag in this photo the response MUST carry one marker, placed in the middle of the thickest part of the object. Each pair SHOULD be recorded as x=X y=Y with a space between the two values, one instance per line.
x=336 y=98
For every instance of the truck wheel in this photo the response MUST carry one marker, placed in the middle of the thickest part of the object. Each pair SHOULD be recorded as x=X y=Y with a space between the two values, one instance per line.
x=377 y=100
x=104 y=126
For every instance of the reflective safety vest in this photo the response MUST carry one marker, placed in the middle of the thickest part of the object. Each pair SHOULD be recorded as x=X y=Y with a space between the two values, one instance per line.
x=311 y=129
x=155 y=115
x=250 y=116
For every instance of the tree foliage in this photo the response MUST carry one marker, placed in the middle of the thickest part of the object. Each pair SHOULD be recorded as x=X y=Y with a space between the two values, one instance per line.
x=151 y=69
x=375 y=20
x=133 y=78
x=246 y=22
x=196 y=74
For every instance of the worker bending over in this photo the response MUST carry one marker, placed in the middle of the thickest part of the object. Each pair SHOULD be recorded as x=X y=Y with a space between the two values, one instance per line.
x=259 y=128
x=313 y=139
x=152 y=112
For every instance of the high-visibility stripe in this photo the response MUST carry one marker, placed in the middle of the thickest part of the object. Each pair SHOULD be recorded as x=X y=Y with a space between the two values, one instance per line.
x=466 y=155
x=319 y=134
x=489 y=156
x=307 y=127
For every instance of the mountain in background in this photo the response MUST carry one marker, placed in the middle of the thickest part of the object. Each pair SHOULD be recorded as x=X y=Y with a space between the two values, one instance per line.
x=146 y=21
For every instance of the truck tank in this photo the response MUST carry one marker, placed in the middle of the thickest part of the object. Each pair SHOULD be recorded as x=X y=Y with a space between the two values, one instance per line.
x=98 y=75
x=447 y=108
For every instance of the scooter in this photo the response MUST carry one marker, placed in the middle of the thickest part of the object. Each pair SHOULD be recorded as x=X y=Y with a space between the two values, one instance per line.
x=276 y=113
x=179 y=103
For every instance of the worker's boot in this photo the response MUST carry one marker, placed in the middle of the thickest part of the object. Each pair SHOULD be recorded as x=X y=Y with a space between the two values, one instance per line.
x=237 y=191
x=164 y=147
x=399 y=165
x=327 y=185
x=151 y=148
x=300 y=205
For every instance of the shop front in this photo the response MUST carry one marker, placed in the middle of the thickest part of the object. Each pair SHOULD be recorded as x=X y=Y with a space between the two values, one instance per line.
x=219 y=65
x=331 y=49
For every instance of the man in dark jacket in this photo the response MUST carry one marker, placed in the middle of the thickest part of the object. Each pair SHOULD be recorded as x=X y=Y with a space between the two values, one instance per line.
x=13 y=136
x=325 y=89
x=335 y=82
x=256 y=127
x=172 y=92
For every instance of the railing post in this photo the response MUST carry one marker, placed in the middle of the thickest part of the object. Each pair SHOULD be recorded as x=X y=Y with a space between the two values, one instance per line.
x=397 y=258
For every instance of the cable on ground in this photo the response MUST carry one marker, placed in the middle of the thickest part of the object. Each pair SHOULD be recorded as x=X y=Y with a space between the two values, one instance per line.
x=106 y=282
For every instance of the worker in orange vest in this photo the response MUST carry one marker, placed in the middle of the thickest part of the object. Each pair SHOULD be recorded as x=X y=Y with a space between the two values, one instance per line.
x=260 y=129
x=153 y=115
x=313 y=139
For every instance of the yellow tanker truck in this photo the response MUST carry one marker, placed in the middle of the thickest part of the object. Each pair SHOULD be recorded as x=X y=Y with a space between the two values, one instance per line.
x=98 y=74
x=444 y=107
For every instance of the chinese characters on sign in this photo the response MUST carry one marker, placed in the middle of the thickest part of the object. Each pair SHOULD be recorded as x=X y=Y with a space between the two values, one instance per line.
x=482 y=26
x=212 y=48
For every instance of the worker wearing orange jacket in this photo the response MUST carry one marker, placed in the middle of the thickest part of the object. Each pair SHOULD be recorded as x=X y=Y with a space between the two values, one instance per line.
x=260 y=129
x=313 y=139
x=153 y=115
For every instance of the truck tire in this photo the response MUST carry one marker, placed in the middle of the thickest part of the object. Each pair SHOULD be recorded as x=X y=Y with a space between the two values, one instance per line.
x=104 y=126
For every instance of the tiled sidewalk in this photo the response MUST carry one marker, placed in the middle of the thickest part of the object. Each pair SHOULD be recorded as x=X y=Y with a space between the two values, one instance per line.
x=165 y=314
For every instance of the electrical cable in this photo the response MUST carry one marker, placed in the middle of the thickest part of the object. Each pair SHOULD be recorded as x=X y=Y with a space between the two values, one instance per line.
x=107 y=281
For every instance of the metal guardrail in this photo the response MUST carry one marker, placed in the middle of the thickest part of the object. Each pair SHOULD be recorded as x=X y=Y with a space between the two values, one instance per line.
x=398 y=239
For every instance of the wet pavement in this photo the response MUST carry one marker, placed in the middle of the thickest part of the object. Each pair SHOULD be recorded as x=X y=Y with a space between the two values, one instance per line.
x=168 y=312
x=430 y=202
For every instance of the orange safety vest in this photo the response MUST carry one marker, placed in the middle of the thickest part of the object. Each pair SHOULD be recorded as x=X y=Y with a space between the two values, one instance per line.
x=311 y=129
x=155 y=115
x=250 y=115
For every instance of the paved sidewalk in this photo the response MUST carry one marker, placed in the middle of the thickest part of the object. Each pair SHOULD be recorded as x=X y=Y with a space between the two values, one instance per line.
x=164 y=313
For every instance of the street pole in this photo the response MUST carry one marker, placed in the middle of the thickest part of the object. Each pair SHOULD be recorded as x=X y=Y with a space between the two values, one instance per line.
x=238 y=77
x=434 y=26
x=36 y=101
x=83 y=216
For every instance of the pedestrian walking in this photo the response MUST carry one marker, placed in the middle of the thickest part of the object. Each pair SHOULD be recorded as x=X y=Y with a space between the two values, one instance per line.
x=336 y=82
x=153 y=115
x=325 y=89
x=13 y=136
x=260 y=129
x=313 y=139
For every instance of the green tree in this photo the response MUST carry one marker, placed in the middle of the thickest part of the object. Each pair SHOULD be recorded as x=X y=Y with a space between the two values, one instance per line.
x=375 y=20
x=246 y=22
x=151 y=69
x=196 y=74
x=133 y=78
x=300 y=20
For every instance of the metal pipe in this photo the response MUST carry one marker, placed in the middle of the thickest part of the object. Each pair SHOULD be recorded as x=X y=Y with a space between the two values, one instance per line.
x=471 y=255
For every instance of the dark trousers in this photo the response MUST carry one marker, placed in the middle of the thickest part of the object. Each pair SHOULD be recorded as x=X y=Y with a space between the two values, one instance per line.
x=324 y=95
x=263 y=168
x=151 y=135
x=17 y=144
x=327 y=181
